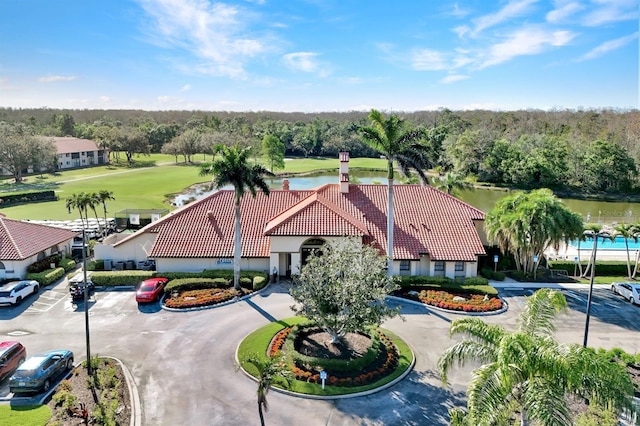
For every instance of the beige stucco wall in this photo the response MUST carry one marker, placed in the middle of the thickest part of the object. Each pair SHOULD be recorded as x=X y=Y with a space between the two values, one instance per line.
x=134 y=249
x=200 y=264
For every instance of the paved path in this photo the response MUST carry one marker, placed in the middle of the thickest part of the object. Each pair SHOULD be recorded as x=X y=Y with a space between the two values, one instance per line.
x=184 y=363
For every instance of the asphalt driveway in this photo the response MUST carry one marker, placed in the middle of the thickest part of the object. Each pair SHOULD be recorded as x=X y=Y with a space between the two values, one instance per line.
x=184 y=362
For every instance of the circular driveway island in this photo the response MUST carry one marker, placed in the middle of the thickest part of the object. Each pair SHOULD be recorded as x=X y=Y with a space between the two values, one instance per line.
x=184 y=367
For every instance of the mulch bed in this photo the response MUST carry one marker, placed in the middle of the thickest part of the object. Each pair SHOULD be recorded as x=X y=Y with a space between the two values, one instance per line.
x=85 y=399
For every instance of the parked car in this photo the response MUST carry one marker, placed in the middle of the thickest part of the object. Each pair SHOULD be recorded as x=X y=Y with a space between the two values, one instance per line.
x=12 y=354
x=150 y=290
x=38 y=372
x=628 y=290
x=16 y=291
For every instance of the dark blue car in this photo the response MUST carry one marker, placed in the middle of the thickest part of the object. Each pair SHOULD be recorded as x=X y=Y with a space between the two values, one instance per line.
x=38 y=372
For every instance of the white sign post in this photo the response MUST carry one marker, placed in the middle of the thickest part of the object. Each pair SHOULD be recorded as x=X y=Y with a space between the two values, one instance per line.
x=323 y=377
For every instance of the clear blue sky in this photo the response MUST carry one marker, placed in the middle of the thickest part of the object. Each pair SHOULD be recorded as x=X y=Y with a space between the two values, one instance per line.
x=319 y=55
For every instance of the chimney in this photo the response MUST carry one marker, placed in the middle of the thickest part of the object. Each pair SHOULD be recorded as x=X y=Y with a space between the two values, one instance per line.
x=285 y=185
x=344 y=172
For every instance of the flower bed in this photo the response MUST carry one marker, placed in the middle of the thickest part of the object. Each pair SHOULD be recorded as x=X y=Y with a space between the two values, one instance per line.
x=384 y=363
x=203 y=297
x=456 y=302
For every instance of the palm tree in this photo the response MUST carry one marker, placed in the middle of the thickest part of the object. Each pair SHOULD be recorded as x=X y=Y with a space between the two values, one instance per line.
x=269 y=370
x=594 y=231
x=528 y=372
x=627 y=231
x=81 y=202
x=526 y=224
x=394 y=139
x=451 y=182
x=104 y=196
x=233 y=168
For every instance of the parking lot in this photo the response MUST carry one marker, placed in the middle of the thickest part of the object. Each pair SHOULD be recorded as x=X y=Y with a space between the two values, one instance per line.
x=183 y=363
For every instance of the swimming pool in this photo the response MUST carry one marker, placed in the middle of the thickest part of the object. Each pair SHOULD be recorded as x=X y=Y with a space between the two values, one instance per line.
x=605 y=244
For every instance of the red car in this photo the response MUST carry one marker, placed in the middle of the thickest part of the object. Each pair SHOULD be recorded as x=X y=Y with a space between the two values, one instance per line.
x=150 y=290
x=12 y=354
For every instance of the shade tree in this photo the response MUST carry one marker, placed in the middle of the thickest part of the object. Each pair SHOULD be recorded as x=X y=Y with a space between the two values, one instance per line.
x=342 y=288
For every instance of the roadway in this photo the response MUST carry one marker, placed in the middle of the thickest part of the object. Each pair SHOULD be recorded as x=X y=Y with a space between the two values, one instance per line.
x=184 y=365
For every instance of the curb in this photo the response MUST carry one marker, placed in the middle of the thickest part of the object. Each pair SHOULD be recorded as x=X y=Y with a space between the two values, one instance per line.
x=134 y=397
x=216 y=305
x=334 y=397
x=505 y=307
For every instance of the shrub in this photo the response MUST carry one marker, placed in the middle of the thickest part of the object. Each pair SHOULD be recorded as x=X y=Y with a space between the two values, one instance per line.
x=492 y=275
x=68 y=263
x=187 y=284
x=604 y=268
x=410 y=281
x=44 y=264
x=47 y=277
x=95 y=265
x=259 y=282
x=115 y=278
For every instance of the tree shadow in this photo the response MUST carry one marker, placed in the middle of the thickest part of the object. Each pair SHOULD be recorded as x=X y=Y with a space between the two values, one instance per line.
x=412 y=401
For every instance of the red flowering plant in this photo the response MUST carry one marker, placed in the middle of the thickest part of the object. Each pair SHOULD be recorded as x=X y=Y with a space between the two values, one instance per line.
x=460 y=302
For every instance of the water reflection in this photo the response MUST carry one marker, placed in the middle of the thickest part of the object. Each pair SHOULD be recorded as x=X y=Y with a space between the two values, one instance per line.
x=483 y=199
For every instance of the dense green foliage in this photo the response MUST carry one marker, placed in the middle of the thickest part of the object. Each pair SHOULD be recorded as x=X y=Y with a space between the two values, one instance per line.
x=525 y=224
x=528 y=373
x=590 y=150
x=474 y=285
x=46 y=277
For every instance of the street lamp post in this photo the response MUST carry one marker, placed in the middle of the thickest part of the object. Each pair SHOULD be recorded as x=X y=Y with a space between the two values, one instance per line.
x=593 y=274
x=86 y=300
x=495 y=263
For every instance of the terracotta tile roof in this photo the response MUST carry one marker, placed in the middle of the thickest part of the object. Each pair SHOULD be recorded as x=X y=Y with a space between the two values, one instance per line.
x=21 y=240
x=68 y=145
x=303 y=219
x=205 y=228
x=427 y=221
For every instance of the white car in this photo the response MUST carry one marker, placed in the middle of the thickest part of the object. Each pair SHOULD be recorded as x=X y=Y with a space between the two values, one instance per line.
x=629 y=290
x=15 y=292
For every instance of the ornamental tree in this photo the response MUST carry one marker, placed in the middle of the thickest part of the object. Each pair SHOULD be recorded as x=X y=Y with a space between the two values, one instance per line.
x=343 y=287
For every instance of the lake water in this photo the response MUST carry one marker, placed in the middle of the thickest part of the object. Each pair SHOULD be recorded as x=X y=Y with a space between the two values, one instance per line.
x=483 y=199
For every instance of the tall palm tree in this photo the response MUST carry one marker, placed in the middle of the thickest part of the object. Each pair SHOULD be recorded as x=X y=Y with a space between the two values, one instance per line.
x=81 y=202
x=233 y=168
x=628 y=231
x=594 y=231
x=528 y=372
x=104 y=196
x=394 y=139
x=269 y=370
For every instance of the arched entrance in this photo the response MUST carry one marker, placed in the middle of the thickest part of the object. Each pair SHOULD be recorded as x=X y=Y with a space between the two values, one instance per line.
x=3 y=274
x=308 y=247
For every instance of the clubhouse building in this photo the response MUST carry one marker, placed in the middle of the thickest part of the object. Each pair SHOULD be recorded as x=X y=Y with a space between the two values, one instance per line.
x=435 y=233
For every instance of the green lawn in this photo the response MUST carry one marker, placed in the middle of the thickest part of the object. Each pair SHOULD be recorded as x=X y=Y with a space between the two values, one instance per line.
x=24 y=415
x=146 y=185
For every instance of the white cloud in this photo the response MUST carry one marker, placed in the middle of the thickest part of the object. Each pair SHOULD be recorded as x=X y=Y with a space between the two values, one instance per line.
x=213 y=32
x=608 y=46
x=305 y=62
x=608 y=11
x=452 y=78
x=563 y=11
x=512 y=9
x=459 y=12
x=55 y=78
x=185 y=88
x=105 y=99
x=526 y=41
x=428 y=60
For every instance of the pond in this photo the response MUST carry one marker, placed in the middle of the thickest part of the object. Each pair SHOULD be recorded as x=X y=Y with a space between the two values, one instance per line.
x=483 y=199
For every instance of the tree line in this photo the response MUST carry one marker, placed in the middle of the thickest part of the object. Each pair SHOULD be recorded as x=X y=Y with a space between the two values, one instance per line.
x=584 y=151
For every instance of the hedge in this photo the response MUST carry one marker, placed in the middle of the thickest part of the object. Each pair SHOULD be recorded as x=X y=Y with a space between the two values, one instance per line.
x=26 y=197
x=186 y=284
x=47 y=277
x=606 y=268
x=475 y=285
x=492 y=275
x=111 y=279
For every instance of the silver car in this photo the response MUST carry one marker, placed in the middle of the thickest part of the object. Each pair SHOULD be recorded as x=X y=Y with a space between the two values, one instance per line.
x=629 y=290
x=38 y=372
